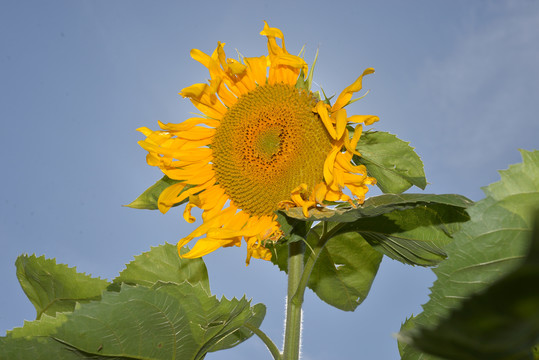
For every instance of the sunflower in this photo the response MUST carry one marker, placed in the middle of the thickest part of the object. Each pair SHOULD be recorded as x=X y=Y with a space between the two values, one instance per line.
x=264 y=142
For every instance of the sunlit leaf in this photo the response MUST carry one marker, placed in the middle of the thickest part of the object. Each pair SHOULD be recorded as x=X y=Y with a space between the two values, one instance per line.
x=35 y=341
x=36 y=348
x=168 y=321
x=391 y=161
x=55 y=287
x=162 y=263
x=148 y=199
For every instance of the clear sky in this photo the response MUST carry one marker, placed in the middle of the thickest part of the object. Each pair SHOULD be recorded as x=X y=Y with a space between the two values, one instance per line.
x=458 y=79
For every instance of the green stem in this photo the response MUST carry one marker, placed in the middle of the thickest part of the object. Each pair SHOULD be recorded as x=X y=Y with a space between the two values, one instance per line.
x=292 y=335
x=266 y=340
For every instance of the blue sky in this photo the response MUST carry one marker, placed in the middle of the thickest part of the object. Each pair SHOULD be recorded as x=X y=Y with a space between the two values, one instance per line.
x=458 y=79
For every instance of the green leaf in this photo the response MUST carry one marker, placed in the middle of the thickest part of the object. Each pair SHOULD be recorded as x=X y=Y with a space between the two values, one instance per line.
x=377 y=205
x=409 y=352
x=293 y=229
x=55 y=287
x=35 y=348
x=415 y=236
x=168 y=321
x=391 y=161
x=148 y=199
x=45 y=326
x=485 y=302
x=344 y=270
x=233 y=335
x=162 y=263
x=35 y=341
x=411 y=228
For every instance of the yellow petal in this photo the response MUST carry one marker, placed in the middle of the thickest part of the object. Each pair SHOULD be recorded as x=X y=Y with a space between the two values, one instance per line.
x=236 y=67
x=168 y=196
x=346 y=94
x=187 y=213
x=194 y=91
x=340 y=119
x=269 y=31
x=188 y=124
x=367 y=119
x=203 y=247
x=322 y=111
x=201 y=57
x=257 y=65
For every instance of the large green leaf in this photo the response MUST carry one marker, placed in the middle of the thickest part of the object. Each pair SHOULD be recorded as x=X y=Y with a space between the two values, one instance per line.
x=162 y=263
x=411 y=228
x=168 y=321
x=485 y=302
x=36 y=348
x=35 y=341
x=376 y=205
x=415 y=236
x=148 y=199
x=32 y=341
x=393 y=162
x=501 y=322
x=55 y=287
x=231 y=315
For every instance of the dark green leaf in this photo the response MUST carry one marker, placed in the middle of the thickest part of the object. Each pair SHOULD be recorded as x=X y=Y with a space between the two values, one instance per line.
x=148 y=199
x=377 y=205
x=485 y=302
x=162 y=263
x=411 y=228
x=409 y=352
x=393 y=162
x=55 y=287
x=415 y=236
x=293 y=229
x=344 y=271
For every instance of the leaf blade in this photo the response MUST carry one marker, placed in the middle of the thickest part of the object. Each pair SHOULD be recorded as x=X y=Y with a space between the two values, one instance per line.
x=476 y=285
x=162 y=263
x=391 y=161
x=148 y=200
x=173 y=321
x=53 y=287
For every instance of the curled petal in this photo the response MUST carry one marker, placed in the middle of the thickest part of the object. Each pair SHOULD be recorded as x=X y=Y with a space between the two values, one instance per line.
x=346 y=94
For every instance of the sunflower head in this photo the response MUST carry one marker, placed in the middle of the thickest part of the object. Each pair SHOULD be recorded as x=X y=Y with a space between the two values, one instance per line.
x=265 y=142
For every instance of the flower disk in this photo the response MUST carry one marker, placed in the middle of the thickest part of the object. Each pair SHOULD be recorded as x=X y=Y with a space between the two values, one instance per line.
x=267 y=143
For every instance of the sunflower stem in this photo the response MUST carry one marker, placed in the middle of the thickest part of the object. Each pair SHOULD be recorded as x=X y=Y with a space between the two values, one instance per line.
x=266 y=340
x=311 y=260
x=292 y=336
